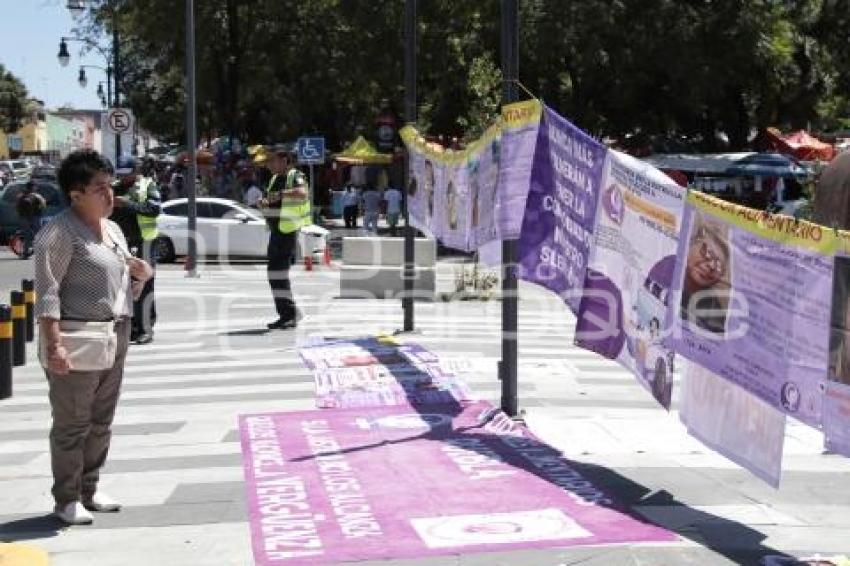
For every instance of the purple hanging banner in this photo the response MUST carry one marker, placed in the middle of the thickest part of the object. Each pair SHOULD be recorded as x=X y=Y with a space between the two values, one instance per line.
x=560 y=211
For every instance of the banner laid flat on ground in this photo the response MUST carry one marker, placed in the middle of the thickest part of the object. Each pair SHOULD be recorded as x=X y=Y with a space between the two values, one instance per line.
x=560 y=210
x=733 y=422
x=623 y=311
x=371 y=373
x=367 y=484
x=751 y=302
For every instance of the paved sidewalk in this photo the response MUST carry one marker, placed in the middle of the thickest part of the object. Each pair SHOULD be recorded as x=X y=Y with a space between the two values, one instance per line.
x=176 y=459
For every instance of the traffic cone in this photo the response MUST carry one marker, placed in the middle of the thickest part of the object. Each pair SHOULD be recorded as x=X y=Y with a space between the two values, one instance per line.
x=326 y=257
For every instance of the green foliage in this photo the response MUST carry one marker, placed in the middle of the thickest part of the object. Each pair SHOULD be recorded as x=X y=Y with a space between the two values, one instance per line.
x=13 y=101
x=273 y=69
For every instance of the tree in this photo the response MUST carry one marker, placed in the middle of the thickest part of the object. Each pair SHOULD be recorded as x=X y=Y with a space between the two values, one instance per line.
x=13 y=101
x=684 y=74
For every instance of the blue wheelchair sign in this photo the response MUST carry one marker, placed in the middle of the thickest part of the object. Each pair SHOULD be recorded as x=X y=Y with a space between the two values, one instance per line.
x=311 y=150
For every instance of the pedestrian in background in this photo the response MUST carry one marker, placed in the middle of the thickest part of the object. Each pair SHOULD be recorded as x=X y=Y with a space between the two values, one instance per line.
x=394 y=198
x=83 y=273
x=30 y=208
x=371 y=208
x=253 y=195
x=350 y=205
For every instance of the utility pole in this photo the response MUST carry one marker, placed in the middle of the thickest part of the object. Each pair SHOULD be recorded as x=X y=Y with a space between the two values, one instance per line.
x=409 y=273
x=510 y=298
x=191 y=141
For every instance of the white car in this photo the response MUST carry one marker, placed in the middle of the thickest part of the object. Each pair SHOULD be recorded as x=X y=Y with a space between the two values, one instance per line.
x=20 y=169
x=225 y=228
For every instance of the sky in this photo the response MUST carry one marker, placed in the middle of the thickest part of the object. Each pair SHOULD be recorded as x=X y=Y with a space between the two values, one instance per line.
x=29 y=43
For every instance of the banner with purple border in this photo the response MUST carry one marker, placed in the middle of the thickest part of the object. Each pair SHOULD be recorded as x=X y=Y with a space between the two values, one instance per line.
x=751 y=301
x=326 y=487
x=623 y=310
x=560 y=209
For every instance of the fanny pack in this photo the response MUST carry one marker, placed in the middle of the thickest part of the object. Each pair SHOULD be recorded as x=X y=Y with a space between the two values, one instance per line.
x=91 y=345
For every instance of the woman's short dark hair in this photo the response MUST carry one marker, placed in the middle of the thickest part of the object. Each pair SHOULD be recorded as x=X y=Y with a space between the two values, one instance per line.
x=77 y=170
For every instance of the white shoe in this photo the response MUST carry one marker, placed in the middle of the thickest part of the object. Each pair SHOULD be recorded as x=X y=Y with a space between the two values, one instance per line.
x=102 y=503
x=73 y=514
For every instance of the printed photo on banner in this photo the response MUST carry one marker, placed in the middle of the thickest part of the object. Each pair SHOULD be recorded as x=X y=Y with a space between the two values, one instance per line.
x=707 y=276
x=836 y=419
x=752 y=302
x=624 y=307
x=560 y=210
x=453 y=193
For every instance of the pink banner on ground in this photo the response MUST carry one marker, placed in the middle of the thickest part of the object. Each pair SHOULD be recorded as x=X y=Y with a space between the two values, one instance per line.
x=369 y=372
x=390 y=483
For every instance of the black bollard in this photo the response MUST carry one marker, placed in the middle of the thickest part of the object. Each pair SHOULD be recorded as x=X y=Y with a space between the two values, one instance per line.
x=28 y=285
x=5 y=351
x=19 y=329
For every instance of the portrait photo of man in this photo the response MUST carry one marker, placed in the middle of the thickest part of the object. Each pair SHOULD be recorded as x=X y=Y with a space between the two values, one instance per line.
x=706 y=282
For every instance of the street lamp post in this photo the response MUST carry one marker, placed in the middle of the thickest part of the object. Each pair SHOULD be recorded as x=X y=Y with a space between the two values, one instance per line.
x=83 y=80
x=113 y=60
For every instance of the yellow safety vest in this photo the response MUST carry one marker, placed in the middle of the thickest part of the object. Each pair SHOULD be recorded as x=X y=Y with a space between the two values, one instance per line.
x=147 y=224
x=294 y=211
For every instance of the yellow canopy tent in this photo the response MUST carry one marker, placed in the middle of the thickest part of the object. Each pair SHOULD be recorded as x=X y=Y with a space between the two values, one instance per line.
x=361 y=152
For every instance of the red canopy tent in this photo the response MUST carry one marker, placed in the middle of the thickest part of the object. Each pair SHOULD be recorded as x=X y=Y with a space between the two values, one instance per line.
x=809 y=148
x=801 y=145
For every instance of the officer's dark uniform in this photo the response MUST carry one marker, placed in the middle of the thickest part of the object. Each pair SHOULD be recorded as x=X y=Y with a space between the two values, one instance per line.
x=137 y=219
x=286 y=214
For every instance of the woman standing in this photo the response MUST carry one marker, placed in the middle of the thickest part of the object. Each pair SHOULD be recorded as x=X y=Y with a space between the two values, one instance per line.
x=83 y=275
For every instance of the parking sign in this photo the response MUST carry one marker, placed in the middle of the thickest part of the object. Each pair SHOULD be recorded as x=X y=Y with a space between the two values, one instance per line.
x=311 y=151
x=119 y=120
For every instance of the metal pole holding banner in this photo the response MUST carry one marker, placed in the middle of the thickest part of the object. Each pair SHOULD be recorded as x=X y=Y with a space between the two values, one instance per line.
x=191 y=141
x=410 y=117
x=508 y=365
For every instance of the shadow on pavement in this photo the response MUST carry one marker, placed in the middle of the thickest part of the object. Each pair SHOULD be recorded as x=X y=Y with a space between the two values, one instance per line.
x=248 y=332
x=31 y=528
x=735 y=541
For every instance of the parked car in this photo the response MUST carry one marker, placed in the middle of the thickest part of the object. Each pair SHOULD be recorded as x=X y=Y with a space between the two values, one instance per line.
x=44 y=173
x=10 y=222
x=225 y=228
x=20 y=168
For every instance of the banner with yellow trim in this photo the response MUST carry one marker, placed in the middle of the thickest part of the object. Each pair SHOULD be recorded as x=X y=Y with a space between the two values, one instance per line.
x=751 y=301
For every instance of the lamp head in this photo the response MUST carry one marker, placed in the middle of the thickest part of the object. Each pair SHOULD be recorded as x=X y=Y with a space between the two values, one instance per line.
x=64 y=57
x=76 y=7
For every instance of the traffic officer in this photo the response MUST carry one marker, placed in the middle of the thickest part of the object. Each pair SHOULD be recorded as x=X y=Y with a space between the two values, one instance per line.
x=287 y=209
x=137 y=206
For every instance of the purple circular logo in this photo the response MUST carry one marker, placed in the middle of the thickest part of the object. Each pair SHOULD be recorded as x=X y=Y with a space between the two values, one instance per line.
x=613 y=204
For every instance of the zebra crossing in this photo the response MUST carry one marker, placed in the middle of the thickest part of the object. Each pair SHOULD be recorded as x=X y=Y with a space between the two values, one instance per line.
x=175 y=458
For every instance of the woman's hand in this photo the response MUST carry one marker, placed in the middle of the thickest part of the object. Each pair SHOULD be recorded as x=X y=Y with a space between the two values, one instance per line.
x=140 y=270
x=57 y=359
